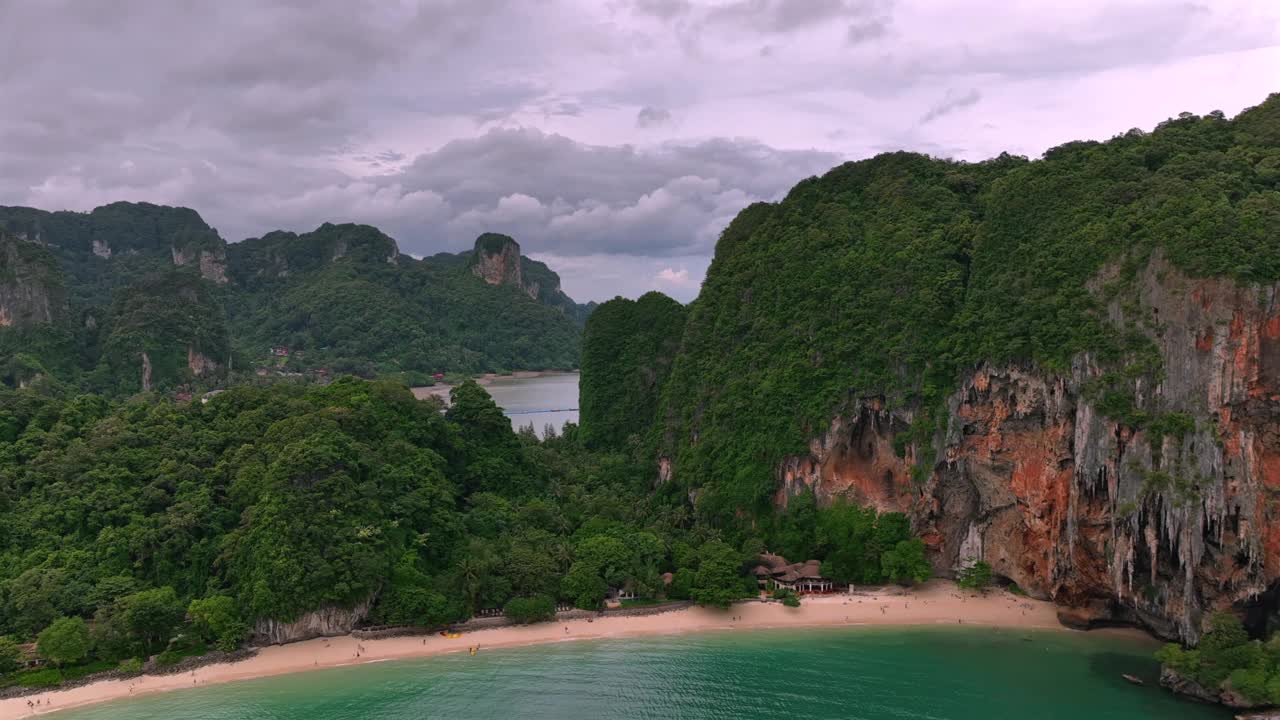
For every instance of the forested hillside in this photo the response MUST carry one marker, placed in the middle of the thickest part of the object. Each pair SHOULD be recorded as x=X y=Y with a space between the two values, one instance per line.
x=894 y=276
x=628 y=348
x=208 y=523
x=95 y=299
x=346 y=298
x=1067 y=368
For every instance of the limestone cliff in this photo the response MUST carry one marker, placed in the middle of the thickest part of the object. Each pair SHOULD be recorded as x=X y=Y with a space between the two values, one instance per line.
x=200 y=364
x=164 y=330
x=31 y=291
x=212 y=263
x=280 y=254
x=1155 y=522
x=496 y=260
x=1066 y=366
x=325 y=622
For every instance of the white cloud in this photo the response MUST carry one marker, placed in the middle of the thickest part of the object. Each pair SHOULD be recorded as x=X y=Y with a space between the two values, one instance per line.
x=673 y=277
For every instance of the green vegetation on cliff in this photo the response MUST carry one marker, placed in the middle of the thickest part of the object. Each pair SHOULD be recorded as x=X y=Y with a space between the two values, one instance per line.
x=1226 y=660
x=894 y=275
x=113 y=246
x=627 y=350
x=175 y=319
x=347 y=299
x=84 y=295
x=33 y=313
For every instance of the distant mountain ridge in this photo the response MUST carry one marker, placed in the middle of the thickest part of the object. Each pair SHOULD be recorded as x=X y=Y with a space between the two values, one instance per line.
x=136 y=296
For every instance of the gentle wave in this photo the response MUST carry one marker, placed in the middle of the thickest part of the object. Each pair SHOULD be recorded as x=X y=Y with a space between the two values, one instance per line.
x=857 y=673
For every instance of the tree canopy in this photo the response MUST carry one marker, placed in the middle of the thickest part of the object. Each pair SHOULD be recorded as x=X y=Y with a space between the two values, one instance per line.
x=100 y=289
x=891 y=277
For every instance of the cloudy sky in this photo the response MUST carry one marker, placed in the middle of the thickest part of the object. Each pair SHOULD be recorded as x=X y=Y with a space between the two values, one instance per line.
x=613 y=138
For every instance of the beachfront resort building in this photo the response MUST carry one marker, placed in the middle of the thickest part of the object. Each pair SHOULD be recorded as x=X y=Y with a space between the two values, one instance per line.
x=803 y=577
x=30 y=656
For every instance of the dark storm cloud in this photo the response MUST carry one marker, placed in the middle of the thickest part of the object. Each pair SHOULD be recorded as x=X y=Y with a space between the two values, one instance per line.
x=950 y=104
x=865 y=19
x=867 y=30
x=781 y=16
x=662 y=9
x=113 y=85
x=570 y=198
x=652 y=117
x=265 y=73
x=439 y=119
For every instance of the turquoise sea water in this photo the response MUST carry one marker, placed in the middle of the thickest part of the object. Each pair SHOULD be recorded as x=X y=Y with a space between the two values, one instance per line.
x=934 y=673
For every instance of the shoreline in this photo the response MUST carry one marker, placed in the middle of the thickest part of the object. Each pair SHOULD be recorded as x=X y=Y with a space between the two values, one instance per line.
x=937 y=602
x=442 y=389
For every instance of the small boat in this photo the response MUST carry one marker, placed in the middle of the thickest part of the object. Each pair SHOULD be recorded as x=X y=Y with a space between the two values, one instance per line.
x=1133 y=679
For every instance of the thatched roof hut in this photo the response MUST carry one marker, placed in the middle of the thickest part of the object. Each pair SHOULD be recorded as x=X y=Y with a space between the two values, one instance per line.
x=804 y=576
x=776 y=563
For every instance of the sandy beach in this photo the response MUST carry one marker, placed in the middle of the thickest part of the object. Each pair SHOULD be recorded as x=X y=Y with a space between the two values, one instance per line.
x=935 y=603
x=441 y=390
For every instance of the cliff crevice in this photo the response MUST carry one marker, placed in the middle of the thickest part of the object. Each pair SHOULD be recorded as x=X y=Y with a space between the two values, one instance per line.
x=324 y=622
x=1157 y=517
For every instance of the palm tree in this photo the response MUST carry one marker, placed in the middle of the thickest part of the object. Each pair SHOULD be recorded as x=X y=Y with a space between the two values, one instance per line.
x=562 y=551
x=472 y=571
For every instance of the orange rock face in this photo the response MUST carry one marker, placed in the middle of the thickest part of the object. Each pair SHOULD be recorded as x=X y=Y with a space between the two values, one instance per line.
x=854 y=460
x=1114 y=523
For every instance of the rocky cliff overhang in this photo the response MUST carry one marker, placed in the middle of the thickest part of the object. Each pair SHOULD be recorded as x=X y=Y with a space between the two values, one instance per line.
x=1157 y=524
x=324 y=622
